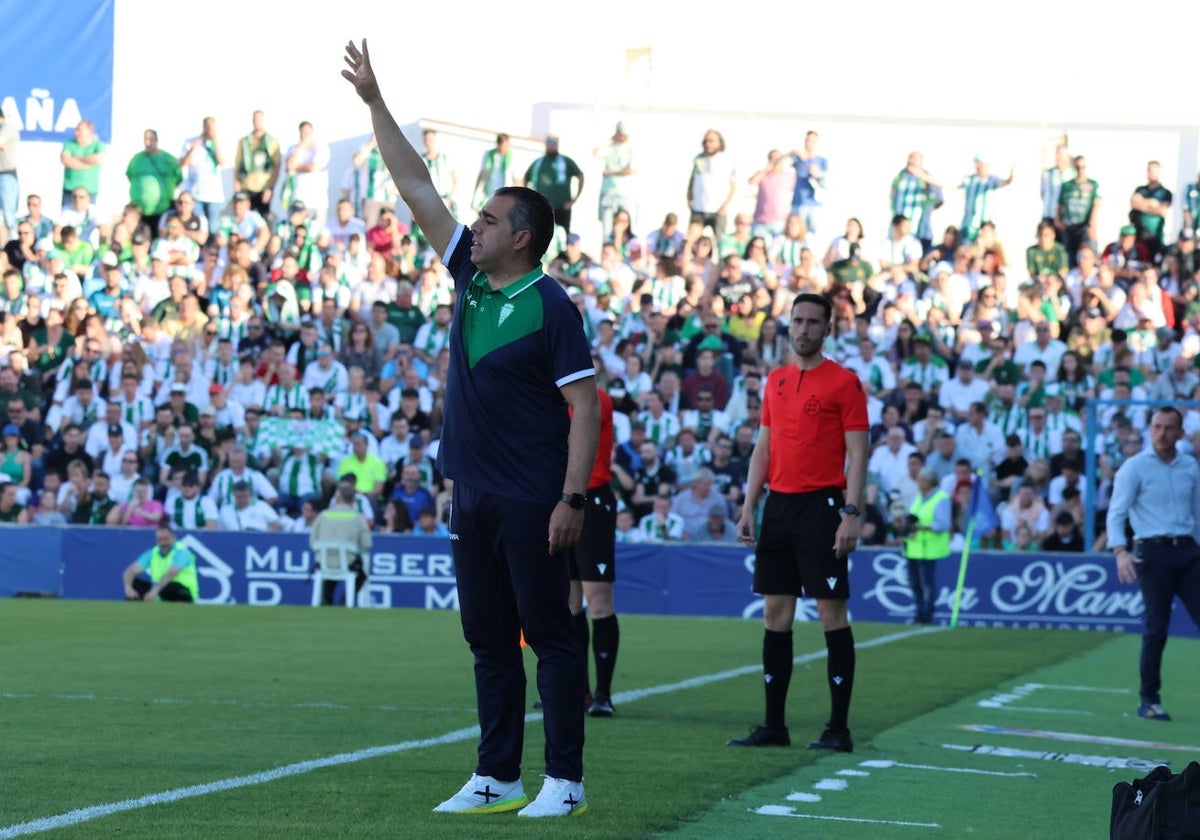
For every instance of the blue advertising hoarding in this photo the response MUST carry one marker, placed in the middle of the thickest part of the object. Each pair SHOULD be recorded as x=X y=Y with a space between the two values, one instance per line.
x=58 y=68
x=1070 y=591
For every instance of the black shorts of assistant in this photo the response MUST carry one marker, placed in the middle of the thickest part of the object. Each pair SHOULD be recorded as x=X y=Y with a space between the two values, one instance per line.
x=593 y=558
x=795 y=553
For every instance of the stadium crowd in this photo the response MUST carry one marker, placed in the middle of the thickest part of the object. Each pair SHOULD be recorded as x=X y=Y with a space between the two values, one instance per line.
x=204 y=360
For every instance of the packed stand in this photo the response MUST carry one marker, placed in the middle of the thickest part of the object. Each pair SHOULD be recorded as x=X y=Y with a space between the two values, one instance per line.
x=204 y=361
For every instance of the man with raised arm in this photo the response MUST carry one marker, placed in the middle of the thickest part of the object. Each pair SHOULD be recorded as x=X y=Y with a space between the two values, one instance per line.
x=520 y=464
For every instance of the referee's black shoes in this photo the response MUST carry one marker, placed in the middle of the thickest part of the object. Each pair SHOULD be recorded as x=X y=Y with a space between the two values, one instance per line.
x=837 y=740
x=763 y=736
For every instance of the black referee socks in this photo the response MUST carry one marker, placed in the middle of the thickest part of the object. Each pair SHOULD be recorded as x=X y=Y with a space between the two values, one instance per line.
x=840 y=665
x=777 y=674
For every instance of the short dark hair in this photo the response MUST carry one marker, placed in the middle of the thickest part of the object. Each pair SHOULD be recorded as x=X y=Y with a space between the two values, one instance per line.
x=819 y=300
x=533 y=212
x=1170 y=409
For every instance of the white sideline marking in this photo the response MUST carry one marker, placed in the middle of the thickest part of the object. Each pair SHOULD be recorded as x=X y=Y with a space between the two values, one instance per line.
x=1144 y=765
x=830 y=784
x=786 y=811
x=884 y=763
x=178 y=701
x=92 y=812
x=1004 y=700
x=853 y=773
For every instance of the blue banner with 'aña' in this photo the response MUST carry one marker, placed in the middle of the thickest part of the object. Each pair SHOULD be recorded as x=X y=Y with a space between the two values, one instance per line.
x=58 y=67
x=1011 y=590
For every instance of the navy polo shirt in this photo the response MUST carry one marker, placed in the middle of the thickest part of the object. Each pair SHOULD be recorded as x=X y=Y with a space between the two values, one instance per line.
x=511 y=350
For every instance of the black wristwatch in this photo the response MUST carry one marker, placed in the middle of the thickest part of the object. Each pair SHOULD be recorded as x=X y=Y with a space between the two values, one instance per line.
x=575 y=500
x=849 y=510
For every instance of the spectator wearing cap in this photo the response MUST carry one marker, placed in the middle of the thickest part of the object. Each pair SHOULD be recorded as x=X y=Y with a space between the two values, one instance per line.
x=246 y=223
x=558 y=178
x=571 y=264
x=183 y=411
x=247 y=514
x=326 y=372
x=108 y=441
x=717 y=527
x=1127 y=255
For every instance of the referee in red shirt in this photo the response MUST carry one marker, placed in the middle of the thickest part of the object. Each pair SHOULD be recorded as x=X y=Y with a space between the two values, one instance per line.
x=593 y=569
x=814 y=418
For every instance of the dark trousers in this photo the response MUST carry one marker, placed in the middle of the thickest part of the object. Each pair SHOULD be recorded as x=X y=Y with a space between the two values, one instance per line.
x=173 y=591
x=508 y=582
x=1074 y=238
x=714 y=220
x=1165 y=571
x=562 y=216
x=329 y=587
x=921 y=578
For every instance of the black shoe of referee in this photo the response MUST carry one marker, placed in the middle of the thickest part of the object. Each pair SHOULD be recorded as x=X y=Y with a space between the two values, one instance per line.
x=763 y=736
x=837 y=740
x=601 y=706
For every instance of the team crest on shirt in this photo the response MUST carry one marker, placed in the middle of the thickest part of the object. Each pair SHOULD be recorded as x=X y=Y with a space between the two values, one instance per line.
x=812 y=407
x=505 y=311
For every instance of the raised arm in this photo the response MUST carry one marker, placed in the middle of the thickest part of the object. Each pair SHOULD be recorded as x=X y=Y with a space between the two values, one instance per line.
x=404 y=162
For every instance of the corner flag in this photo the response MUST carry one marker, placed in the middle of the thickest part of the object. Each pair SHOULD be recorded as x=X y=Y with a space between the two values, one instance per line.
x=981 y=516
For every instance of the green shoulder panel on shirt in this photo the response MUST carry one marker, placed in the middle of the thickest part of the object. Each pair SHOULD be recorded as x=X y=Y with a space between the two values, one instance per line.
x=494 y=318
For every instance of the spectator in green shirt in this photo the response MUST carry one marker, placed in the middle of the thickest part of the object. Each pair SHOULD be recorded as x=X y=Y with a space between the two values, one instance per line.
x=153 y=175
x=81 y=159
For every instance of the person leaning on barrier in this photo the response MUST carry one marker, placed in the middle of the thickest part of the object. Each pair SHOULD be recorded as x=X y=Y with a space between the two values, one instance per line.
x=166 y=572
x=342 y=523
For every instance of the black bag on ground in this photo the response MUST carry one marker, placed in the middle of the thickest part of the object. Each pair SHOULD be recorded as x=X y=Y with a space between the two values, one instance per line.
x=1161 y=806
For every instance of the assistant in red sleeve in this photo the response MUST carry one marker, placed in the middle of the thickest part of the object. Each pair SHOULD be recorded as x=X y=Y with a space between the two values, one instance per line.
x=593 y=569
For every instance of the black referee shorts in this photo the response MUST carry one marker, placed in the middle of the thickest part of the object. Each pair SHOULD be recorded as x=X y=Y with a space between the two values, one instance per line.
x=795 y=553
x=593 y=558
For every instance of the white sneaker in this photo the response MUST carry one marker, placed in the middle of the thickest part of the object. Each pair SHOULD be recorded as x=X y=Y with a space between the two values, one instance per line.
x=559 y=798
x=485 y=795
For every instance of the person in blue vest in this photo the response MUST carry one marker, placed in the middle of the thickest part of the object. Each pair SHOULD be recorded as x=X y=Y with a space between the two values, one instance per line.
x=166 y=572
x=930 y=523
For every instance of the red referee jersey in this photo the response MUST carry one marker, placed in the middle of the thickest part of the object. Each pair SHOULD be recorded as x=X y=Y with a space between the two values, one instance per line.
x=808 y=413
x=602 y=467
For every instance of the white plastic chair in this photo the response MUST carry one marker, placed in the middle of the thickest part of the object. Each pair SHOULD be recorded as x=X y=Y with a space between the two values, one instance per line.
x=333 y=564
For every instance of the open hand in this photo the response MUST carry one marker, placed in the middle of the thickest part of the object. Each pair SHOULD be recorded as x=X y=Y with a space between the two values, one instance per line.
x=360 y=73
